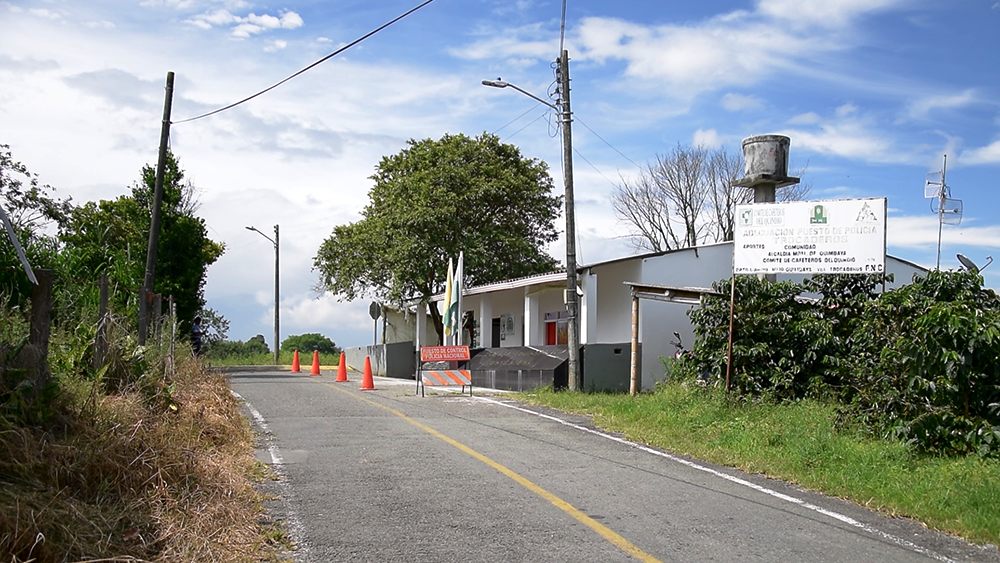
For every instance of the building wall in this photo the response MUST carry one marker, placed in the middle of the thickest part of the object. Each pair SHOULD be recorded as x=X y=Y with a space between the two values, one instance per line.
x=614 y=301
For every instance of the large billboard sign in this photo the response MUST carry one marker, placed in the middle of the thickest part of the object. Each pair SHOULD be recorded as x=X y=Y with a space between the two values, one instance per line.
x=845 y=236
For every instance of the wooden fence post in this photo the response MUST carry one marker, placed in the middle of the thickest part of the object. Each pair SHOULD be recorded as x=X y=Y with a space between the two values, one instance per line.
x=41 y=322
x=101 y=340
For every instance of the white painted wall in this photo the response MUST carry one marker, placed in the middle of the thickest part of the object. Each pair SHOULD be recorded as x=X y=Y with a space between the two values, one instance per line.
x=614 y=301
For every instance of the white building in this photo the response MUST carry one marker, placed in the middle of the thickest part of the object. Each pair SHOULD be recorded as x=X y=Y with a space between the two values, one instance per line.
x=531 y=312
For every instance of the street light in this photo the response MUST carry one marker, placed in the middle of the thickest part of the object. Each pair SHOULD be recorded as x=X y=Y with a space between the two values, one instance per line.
x=274 y=241
x=572 y=298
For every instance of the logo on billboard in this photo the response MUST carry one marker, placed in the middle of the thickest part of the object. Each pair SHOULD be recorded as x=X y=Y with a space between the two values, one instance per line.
x=746 y=218
x=818 y=215
x=866 y=215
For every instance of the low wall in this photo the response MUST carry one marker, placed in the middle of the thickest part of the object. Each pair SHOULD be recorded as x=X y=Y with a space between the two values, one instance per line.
x=388 y=360
x=607 y=367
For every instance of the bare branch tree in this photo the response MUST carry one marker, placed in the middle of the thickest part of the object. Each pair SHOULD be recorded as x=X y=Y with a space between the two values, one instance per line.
x=686 y=198
x=723 y=171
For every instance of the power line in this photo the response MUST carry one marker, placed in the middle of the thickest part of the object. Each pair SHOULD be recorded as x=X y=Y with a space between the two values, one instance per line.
x=578 y=153
x=526 y=126
x=518 y=117
x=324 y=59
x=607 y=143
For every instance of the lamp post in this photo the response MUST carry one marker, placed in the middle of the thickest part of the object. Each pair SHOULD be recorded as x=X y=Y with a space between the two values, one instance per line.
x=572 y=298
x=274 y=241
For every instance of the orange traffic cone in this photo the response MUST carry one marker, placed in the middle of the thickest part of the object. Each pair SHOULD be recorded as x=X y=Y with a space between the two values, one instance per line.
x=367 y=383
x=315 y=369
x=295 y=363
x=342 y=368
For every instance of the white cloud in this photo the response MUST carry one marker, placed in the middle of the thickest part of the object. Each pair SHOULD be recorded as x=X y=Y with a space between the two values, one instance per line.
x=990 y=154
x=324 y=40
x=846 y=109
x=848 y=138
x=276 y=45
x=45 y=13
x=103 y=24
x=919 y=109
x=921 y=231
x=824 y=13
x=740 y=102
x=252 y=24
x=707 y=138
x=809 y=118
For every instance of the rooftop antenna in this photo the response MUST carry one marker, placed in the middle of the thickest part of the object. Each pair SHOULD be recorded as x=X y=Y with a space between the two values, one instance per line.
x=949 y=211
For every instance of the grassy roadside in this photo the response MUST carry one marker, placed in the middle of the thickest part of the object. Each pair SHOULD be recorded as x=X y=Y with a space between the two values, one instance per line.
x=798 y=442
x=148 y=474
x=284 y=359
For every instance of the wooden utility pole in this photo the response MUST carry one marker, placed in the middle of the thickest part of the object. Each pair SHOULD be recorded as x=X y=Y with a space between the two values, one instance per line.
x=154 y=220
x=572 y=299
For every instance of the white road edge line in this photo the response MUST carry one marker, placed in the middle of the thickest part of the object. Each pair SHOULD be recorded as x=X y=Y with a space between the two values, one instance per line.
x=835 y=515
x=295 y=527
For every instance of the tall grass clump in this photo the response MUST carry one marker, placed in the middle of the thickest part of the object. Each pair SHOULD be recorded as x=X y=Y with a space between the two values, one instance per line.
x=153 y=465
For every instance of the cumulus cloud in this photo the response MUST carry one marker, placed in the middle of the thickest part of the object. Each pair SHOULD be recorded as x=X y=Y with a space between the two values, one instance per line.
x=921 y=231
x=741 y=102
x=990 y=154
x=276 y=45
x=707 y=138
x=251 y=24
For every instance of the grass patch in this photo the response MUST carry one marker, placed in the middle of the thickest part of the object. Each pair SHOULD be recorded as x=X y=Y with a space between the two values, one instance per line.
x=166 y=476
x=798 y=442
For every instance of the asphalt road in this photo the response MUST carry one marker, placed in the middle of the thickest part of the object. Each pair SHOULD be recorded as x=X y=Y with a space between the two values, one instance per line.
x=387 y=475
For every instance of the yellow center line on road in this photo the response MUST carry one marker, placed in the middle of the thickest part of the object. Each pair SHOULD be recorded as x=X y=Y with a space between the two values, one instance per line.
x=605 y=532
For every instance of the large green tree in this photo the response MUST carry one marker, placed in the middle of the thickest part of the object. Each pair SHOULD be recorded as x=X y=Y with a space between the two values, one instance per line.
x=431 y=201
x=111 y=237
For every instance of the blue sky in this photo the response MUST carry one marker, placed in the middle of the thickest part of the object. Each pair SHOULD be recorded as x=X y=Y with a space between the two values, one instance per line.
x=871 y=92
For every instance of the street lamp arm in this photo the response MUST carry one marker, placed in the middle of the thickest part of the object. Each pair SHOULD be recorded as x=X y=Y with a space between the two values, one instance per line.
x=503 y=84
x=262 y=234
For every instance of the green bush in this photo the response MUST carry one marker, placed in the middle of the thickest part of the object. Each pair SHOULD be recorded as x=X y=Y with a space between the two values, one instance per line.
x=927 y=365
x=310 y=342
x=920 y=363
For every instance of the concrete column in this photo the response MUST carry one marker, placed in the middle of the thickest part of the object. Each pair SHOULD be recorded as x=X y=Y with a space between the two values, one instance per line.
x=420 y=336
x=588 y=308
x=486 y=320
x=532 y=321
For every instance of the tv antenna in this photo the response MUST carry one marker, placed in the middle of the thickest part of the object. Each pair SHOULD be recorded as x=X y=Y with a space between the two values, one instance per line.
x=971 y=266
x=949 y=211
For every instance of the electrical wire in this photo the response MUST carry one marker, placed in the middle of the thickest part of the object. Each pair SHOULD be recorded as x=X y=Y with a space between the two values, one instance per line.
x=324 y=59
x=516 y=118
x=578 y=153
x=607 y=143
x=526 y=126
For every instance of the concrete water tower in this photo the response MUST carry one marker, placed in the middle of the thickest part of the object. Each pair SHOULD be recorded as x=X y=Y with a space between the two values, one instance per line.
x=765 y=167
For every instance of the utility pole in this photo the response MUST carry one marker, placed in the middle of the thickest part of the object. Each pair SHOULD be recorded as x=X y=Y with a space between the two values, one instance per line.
x=277 y=343
x=572 y=299
x=154 y=221
x=273 y=241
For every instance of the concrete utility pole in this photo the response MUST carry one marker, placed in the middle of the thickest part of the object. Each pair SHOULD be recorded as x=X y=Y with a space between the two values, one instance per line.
x=274 y=241
x=154 y=221
x=572 y=299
